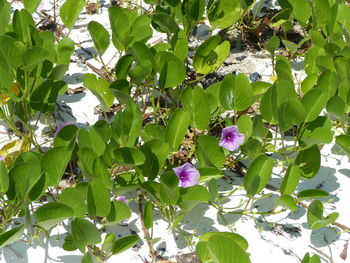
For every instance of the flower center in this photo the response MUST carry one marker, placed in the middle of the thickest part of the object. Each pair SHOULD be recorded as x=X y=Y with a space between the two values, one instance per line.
x=229 y=136
x=182 y=175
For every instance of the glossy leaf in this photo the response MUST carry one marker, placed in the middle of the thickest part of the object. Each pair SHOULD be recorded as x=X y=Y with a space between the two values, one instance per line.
x=196 y=103
x=177 y=127
x=119 y=211
x=126 y=126
x=290 y=180
x=54 y=163
x=73 y=198
x=236 y=92
x=50 y=214
x=98 y=199
x=314 y=101
x=11 y=235
x=129 y=156
x=84 y=233
x=100 y=88
x=70 y=11
x=4 y=178
x=315 y=218
x=210 y=55
x=100 y=36
x=209 y=152
x=310 y=194
x=309 y=161
x=261 y=167
x=125 y=243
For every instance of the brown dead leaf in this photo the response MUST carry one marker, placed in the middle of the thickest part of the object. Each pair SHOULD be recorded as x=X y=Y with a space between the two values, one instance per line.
x=343 y=255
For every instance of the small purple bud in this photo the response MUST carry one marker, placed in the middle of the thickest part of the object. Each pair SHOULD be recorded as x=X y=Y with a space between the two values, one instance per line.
x=188 y=175
x=2 y=158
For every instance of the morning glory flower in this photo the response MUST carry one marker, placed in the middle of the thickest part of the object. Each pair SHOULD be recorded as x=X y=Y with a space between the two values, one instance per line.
x=188 y=175
x=2 y=158
x=231 y=139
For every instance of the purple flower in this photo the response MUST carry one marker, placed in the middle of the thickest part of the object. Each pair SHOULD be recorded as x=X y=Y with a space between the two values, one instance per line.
x=188 y=175
x=122 y=199
x=2 y=158
x=61 y=125
x=231 y=139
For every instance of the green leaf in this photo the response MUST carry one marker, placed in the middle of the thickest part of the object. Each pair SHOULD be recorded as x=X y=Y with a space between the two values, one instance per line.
x=336 y=105
x=70 y=11
x=100 y=36
x=171 y=69
x=301 y=10
x=290 y=179
x=156 y=152
x=148 y=215
x=31 y=5
x=84 y=233
x=177 y=127
x=153 y=131
x=196 y=193
x=100 y=171
x=322 y=9
x=309 y=161
x=209 y=173
x=314 y=101
x=44 y=96
x=328 y=82
x=179 y=45
x=98 y=199
x=312 y=194
x=223 y=13
x=284 y=70
x=126 y=126
x=5 y=9
x=225 y=250
x=261 y=167
x=68 y=244
x=119 y=211
x=65 y=49
x=272 y=44
x=209 y=152
x=344 y=142
x=236 y=92
x=54 y=163
x=125 y=243
x=129 y=156
x=238 y=239
x=100 y=88
x=33 y=56
x=91 y=139
x=245 y=126
x=196 y=103
x=123 y=66
x=50 y=214
x=4 y=178
x=73 y=198
x=11 y=235
x=287 y=201
x=315 y=218
x=210 y=55
x=87 y=258
x=26 y=173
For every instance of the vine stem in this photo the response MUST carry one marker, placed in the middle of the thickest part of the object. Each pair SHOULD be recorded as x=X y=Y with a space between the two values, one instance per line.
x=152 y=251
